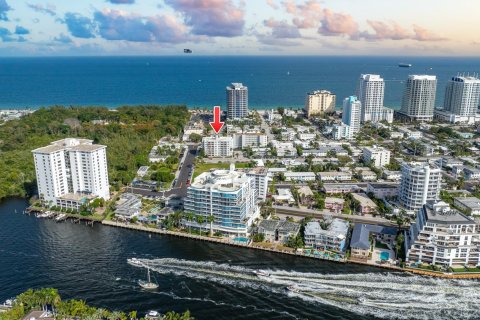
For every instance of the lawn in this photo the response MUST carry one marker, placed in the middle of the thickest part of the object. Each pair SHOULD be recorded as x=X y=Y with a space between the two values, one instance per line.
x=203 y=167
x=466 y=269
x=381 y=245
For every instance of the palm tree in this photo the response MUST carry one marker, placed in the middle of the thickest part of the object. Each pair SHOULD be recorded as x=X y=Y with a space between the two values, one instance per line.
x=133 y=315
x=211 y=220
x=200 y=220
x=189 y=216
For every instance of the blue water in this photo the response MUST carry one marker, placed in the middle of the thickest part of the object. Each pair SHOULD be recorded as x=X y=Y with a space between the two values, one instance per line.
x=201 y=81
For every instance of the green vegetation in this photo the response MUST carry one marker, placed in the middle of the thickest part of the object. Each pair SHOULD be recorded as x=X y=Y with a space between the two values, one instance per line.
x=70 y=309
x=129 y=133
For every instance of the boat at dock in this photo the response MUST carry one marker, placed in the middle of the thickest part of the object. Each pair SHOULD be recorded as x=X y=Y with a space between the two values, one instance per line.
x=153 y=315
x=61 y=217
x=8 y=304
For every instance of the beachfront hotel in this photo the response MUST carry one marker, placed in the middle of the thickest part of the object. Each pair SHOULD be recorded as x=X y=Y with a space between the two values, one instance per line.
x=227 y=195
x=237 y=101
x=443 y=236
x=71 y=171
x=319 y=102
x=420 y=182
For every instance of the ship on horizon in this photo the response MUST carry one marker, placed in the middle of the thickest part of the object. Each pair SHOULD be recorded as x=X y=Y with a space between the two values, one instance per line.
x=404 y=65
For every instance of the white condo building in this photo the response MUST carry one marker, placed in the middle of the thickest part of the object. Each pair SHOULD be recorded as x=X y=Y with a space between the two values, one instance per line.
x=237 y=101
x=378 y=156
x=260 y=180
x=443 y=236
x=227 y=195
x=420 y=182
x=319 y=102
x=249 y=139
x=418 y=102
x=462 y=96
x=70 y=170
x=218 y=146
x=351 y=115
x=370 y=93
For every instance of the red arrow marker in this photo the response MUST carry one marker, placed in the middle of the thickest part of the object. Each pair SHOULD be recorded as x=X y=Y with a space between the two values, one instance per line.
x=216 y=124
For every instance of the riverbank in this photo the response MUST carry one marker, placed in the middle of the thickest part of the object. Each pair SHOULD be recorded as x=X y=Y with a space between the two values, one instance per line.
x=253 y=245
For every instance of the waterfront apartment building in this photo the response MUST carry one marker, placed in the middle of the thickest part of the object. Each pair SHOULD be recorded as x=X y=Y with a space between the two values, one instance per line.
x=462 y=96
x=260 y=180
x=218 y=146
x=70 y=170
x=319 y=102
x=443 y=236
x=420 y=183
x=228 y=196
x=333 y=238
x=351 y=115
x=378 y=156
x=237 y=101
x=418 y=100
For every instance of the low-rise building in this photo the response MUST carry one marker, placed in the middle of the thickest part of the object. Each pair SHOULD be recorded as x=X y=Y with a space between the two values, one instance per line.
x=278 y=230
x=392 y=175
x=299 y=176
x=284 y=195
x=366 y=205
x=333 y=238
x=442 y=236
x=334 y=176
x=471 y=173
x=367 y=175
x=340 y=188
x=128 y=206
x=334 y=204
x=383 y=190
x=360 y=245
x=471 y=205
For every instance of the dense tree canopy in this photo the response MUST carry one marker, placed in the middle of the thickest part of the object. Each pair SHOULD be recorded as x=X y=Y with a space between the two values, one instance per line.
x=129 y=133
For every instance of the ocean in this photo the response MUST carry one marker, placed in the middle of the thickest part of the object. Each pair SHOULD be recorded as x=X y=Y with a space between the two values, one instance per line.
x=213 y=281
x=200 y=81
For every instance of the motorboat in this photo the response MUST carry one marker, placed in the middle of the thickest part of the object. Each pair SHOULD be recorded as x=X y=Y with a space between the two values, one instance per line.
x=135 y=262
x=292 y=288
x=261 y=273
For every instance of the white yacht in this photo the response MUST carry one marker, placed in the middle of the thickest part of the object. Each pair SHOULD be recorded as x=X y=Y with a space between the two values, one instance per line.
x=153 y=315
x=261 y=273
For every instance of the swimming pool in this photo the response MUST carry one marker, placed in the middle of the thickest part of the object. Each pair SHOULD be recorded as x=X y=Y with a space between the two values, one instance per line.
x=241 y=239
x=384 y=255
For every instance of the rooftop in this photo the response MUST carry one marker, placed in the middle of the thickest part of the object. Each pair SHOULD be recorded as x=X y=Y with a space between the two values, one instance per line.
x=441 y=213
x=70 y=144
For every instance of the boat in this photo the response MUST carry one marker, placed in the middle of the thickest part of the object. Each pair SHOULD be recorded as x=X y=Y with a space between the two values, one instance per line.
x=135 y=262
x=261 y=273
x=8 y=304
x=292 y=288
x=187 y=51
x=149 y=285
x=404 y=65
x=153 y=315
x=60 y=217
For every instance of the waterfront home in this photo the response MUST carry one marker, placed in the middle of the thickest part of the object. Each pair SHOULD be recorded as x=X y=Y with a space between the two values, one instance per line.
x=333 y=237
x=360 y=244
x=128 y=206
x=278 y=230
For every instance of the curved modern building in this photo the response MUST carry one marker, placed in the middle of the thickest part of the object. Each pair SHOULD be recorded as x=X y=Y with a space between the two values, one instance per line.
x=227 y=195
x=420 y=183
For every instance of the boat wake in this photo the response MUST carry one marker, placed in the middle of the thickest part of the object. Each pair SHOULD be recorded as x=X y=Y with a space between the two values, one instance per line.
x=383 y=295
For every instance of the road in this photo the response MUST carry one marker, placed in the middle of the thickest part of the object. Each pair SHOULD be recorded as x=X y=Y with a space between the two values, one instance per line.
x=318 y=214
x=179 y=188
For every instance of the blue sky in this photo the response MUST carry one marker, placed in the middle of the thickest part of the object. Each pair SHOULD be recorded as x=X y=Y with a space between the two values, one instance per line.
x=239 y=27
